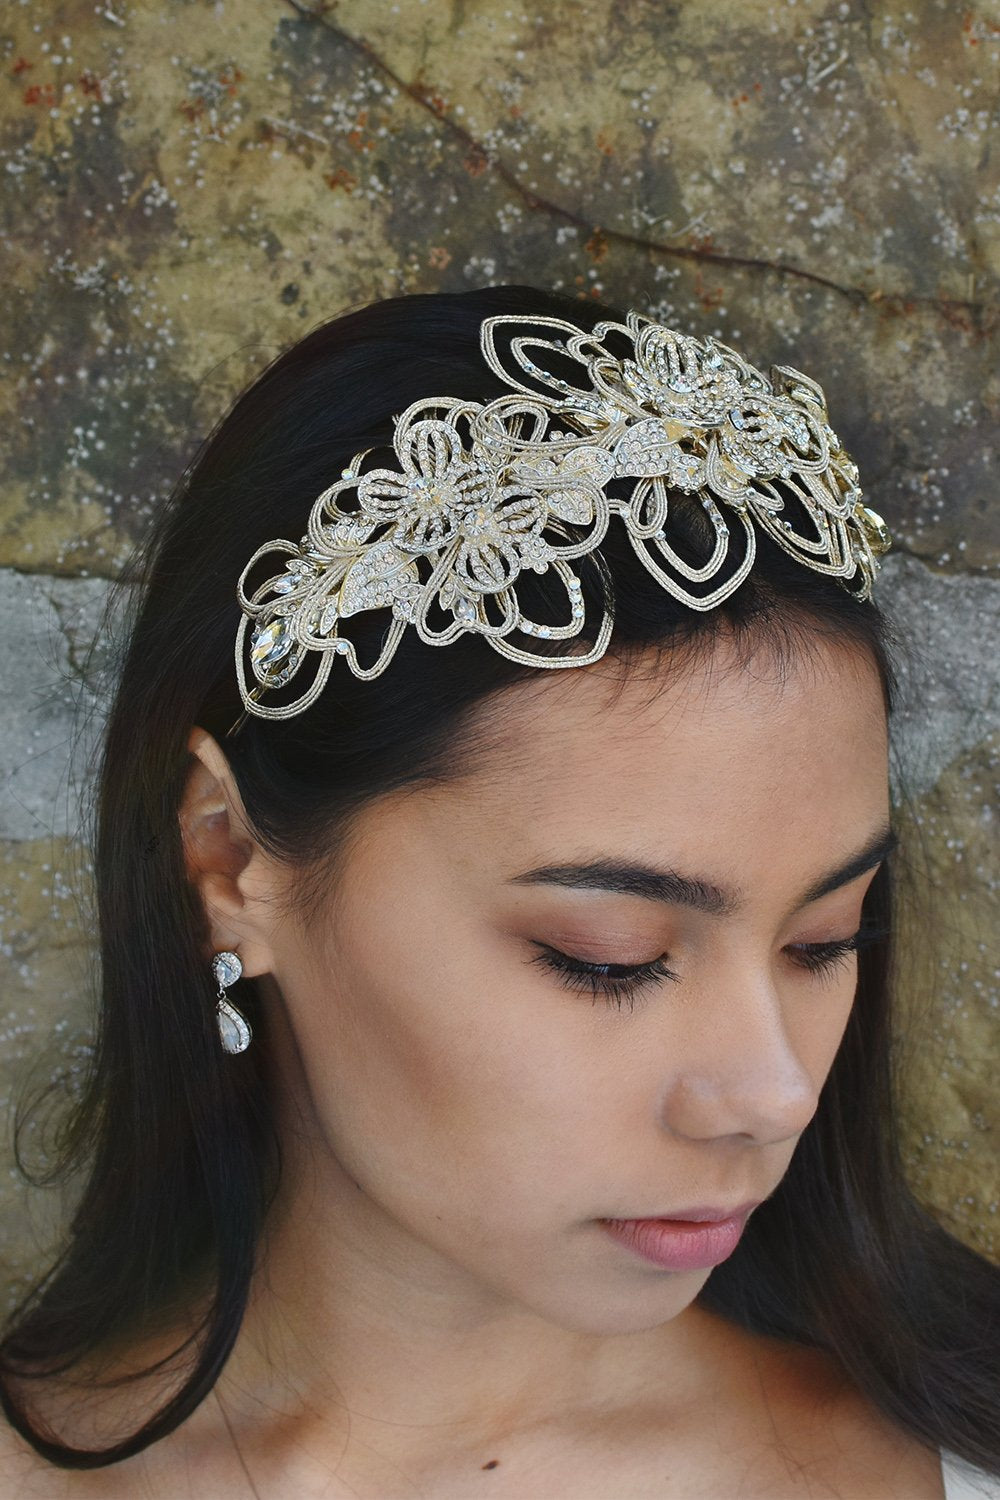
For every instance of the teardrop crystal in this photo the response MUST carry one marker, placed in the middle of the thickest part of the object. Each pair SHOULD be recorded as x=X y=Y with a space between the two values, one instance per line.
x=875 y=530
x=273 y=642
x=234 y=1029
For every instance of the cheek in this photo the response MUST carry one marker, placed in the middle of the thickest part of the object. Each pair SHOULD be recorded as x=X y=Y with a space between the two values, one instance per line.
x=447 y=1069
x=819 y=1016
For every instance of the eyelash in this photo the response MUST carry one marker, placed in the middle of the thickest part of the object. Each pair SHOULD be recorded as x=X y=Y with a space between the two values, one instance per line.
x=625 y=986
x=576 y=974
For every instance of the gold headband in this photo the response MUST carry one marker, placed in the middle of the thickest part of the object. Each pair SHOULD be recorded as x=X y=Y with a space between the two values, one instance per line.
x=481 y=493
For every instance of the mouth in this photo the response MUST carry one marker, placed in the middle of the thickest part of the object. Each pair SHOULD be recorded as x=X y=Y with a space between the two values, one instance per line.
x=690 y=1239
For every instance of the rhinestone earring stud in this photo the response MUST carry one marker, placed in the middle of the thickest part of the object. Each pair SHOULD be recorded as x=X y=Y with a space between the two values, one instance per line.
x=234 y=1028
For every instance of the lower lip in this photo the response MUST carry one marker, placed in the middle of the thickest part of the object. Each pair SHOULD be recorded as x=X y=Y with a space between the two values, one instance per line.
x=678 y=1244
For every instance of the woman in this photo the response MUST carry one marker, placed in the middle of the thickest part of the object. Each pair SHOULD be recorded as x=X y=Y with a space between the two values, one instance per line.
x=493 y=1088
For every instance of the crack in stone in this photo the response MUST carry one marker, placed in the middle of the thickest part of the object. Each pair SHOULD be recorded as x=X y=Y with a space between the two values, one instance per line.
x=956 y=311
x=76 y=675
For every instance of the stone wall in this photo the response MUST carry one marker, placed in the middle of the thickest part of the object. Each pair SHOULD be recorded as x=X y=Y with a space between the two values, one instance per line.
x=188 y=187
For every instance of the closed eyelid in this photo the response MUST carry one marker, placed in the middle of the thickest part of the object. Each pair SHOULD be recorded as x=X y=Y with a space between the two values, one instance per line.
x=625 y=947
x=589 y=955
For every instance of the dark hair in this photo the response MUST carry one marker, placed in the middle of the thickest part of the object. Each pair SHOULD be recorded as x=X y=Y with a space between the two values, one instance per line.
x=178 y=1140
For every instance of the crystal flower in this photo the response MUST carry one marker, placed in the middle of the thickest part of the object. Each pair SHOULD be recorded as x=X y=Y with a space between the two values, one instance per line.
x=433 y=487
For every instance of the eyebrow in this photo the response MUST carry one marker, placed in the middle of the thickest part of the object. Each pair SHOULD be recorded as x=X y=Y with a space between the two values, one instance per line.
x=628 y=878
x=878 y=848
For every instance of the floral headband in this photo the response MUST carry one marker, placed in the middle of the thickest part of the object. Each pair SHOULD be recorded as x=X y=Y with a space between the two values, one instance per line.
x=479 y=494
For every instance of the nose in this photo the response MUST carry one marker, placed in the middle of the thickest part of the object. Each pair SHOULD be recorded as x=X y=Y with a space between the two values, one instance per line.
x=741 y=1077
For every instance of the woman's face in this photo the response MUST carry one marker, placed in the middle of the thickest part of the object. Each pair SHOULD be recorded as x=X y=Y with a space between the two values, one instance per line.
x=601 y=976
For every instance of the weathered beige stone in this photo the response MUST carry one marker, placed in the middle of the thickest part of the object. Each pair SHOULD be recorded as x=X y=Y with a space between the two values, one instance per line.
x=950 y=982
x=808 y=181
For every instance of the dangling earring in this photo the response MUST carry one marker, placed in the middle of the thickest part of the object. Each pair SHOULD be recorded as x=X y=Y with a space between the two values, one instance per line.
x=234 y=1028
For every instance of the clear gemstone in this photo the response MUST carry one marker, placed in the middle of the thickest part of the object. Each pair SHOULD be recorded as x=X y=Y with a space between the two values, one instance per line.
x=234 y=1031
x=875 y=530
x=227 y=968
x=465 y=610
x=273 y=642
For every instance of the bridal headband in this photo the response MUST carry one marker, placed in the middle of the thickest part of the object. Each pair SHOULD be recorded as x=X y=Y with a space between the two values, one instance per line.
x=477 y=495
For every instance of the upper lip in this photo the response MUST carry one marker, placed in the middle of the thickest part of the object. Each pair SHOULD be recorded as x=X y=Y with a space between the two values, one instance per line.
x=702 y=1214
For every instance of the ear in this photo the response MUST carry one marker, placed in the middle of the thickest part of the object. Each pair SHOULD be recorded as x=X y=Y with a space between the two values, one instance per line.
x=235 y=878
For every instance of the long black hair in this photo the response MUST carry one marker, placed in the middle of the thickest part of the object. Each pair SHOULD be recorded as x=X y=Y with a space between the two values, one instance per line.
x=175 y=1142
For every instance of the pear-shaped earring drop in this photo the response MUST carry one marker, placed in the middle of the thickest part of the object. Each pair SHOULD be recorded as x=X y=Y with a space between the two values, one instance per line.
x=234 y=1028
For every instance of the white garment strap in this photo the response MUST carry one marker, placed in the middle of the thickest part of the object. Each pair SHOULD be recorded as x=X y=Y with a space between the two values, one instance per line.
x=963 y=1481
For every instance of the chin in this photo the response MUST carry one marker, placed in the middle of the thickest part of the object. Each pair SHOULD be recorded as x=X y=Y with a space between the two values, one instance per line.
x=609 y=1306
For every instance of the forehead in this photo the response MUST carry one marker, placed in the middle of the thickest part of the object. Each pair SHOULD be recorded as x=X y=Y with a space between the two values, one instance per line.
x=695 y=748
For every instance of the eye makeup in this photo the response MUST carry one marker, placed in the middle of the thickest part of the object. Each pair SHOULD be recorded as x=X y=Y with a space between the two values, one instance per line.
x=820 y=958
x=621 y=984
x=616 y=983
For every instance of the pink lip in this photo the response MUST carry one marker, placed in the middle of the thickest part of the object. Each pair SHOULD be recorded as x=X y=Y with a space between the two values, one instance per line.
x=693 y=1241
x=708 y=1215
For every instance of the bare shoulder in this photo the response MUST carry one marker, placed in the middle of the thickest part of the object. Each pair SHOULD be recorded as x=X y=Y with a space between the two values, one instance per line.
x=821 y=1435
x=864 y=1452
x=25 y=1475
x=92 y=1409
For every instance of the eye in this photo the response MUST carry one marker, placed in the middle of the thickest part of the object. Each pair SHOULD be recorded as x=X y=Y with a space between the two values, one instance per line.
x=616 y=983
x=822 y=958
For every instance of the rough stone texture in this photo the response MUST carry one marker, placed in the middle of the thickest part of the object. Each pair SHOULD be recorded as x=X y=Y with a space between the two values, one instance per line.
x=947 y=628
x=951 y=996
x=46 y=1003
x=191 y=186
x=52 y=715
